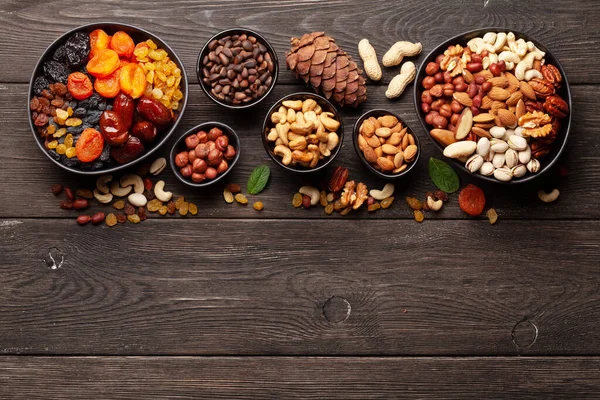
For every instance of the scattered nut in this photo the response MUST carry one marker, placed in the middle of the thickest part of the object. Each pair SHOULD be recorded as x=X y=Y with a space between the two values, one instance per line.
x=386 y=192
x=160 y=193
x=103 y=198
x=548 y=197
x=102 y=183
x=158 y=166
x=312 y=192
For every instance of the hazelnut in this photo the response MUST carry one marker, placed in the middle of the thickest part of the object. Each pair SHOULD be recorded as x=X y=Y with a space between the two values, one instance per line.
x=197 y=177
x=202 y=136
x=222 y=142
x=192 y=155
x=426 y=97
x=432 y=68
x=181 y=159
x=192 y=141
x=186 y=171
x=448 y=89
x=437 y=105
x=440 y=122
x=456 y=107
x=436 y=91
x=222 y=167
x=428 y=82
x=229 y=153
x=214 y=133
x=214 y=157
x=439 y=58
x=199 y=165
x=210 y=173
x=201 y=150
x=425 y=107
x=447 y=77
x=439 y=77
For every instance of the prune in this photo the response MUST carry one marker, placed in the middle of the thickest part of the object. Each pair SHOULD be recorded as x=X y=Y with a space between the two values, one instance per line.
x=127 y=152
x=154 y=112
x=77 y=49
x=124 y=106
x=114 y=131
x=56 y=71
x=40 y=84
x=144 y=130
x=60 y=55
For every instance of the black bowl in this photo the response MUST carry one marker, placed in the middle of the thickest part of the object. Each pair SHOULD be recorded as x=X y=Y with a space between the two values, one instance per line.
x=236 y=31
x=179 y=145
x=138 y=35
x=379 y=113
x=565 y=92
x=326 y=105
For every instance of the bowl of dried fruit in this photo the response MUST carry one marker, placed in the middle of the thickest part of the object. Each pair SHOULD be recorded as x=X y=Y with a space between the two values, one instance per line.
x=495 y=102
x=386 y=144
x=205 y=154
x=237 y=68
x=105 y=96
x=303 y=132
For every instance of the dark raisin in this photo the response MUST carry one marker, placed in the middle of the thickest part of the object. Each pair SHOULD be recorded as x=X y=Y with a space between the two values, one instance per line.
x=47 y=94
x=105 y=155
x=91 y=103
x=56 y=71
x=102 y=106
x=60 y=55
x=149 y=195
x=75 y=130
x=79 y=112
x=40 y=84
x=56 y=188
x=71 y=162
x=92 y=117
x=97 y=165
x=41 y=120
x=54 y=154
x=129 y=209
x=77 y=49
x=121 y=218
x=34 y=104
x=141 y=212
x=60 y=89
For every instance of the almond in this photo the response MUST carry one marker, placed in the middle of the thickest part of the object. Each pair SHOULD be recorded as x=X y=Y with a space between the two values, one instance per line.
x=385 y=164
x=370 y=155
x=464 y=125
x=485 y=73
x=496 y=105
x=520 y=109
x=486 y=103
x=514 y=98
x=481 y=132
x=468 y=76
x=388 y=121
x=513 y=82
x=498 y=94
x=389 y=149
x=482 y=118
x=463 y=98
x=507 y=118
x=373 y=141
x=443 y=136
x=527 y=90
x=499 y=81
x=487 y=125
x=410 y=153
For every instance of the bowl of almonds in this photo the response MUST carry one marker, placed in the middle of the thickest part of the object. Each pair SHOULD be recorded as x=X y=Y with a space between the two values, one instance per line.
x=385 y=144
x=496 y=102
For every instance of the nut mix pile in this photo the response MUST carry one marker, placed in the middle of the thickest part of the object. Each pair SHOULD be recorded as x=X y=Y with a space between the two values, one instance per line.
x=103 y=98
x=205 y=156
x=386 y=145
x=494 y=104
x=303 y=133
x=238 y=68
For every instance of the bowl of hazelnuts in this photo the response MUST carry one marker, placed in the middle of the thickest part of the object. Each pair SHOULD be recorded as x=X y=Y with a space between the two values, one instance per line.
x=205 y=154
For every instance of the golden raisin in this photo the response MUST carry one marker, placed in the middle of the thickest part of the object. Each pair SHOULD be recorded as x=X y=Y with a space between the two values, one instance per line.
x=154 y=205
x=414 y=203
x=258 y=205
x=297 y=200
x=179 y=202
x=385 y=203
x=184 y=208
x=60 y=132
x=492 y=216
x=111 y=219
x=162 y=210
x=329 y=209
x=323 y=198
x=346 y=210
x=119 y=205
x=374 y=207
x=71 y=152
x=61 y=149
x=68 y=140
x=240 y=198
x=419 y=217
x=134 y=218
x=51 y=129
x=52 y=144
x=193 y=209
x=73 y=122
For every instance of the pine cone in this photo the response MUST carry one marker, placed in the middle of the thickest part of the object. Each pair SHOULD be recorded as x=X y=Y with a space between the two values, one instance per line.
x=317 y=59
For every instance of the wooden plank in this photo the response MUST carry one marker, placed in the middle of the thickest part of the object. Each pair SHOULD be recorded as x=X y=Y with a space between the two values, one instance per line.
x=27 y=175
x=30 y=26
x=299 y=377
x=292 y=287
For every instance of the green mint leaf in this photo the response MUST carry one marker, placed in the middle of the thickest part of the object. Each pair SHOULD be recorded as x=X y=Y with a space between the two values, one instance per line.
x=443 y=175
x=258 y=179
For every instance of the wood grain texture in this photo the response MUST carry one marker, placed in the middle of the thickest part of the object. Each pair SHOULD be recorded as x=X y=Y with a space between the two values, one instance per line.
x=27 y=174
x=30 y=26
x=305 y=378
x=265 y=287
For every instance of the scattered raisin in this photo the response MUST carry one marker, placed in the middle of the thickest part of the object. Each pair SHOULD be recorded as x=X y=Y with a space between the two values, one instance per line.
x=141 y=212
x=323 y=198
x=111 y=219
x=329 y=209
x=374 y=207
x=41 y=120
x=193 y=209
x=441 y=195
x=258 y=206
x=121 y=218
x=346 y=210
x=133 y=218
x=85 y=193
x=162 y=210
x=419 y=217
x=171 y=207
x=240 y=198
x=129 y=209
x=234 y=188
x=492 y=216
x=56 y=189
x=149 y=194
x=385 y=203
x=297 y=200
x=183 y=210
x=153 y=205
x=414 y=203
x=179 y=202
x=119 y=204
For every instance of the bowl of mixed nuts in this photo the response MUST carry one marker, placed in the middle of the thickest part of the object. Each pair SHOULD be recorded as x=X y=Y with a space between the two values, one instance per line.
x=386 y=144
x=496 y=102
x=237 y=68
x=205 y=154
x=105 y=96
x=303 y=132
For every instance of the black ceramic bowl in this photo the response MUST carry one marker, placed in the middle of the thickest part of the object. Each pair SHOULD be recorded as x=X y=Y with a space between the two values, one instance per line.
x=379 y=113
x=204 y=51
x=138 y=35
x=565 y=92
x=326 y=105
x=179 y=146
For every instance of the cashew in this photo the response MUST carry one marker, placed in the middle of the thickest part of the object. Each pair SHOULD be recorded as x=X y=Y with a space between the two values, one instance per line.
x=328 y=122
x=119 y=191
x=509 y=65
x=527 y=63
x=102 y=183
x=398 y=51
x=533 y=73
x=309 y=105
x=314 y=149
x=400 y=81
x=103 y=198
x=273 y=135
x=489 y=37
x=493 y=58
x=158 y=165
x=302 y=156
x=311 y=116
x=434 y=205
x=485 y=62
x=298 y=143
x=510 y=41
x=369 y=57
x=283 y=151
x=135 y=180
x=500 y=40
x=332 y=141
x=295 y=105
x=300 y=118
x=509 y=56
x=384 y=193
x=521 y=48
x=282 y=110
x=325 y=152
x=304 y=129
x=278 y=118
x=311 y=192
x=160 y=193
x=318 y=110
x=282 y=131
x=278 y=142
x=548 y=197
x=291 y=115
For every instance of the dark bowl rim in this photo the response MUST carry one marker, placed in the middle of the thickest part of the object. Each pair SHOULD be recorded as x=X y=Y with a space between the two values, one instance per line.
x=264 y=41
x=226 y=129
x=267 y=121
x=380 y=112
x=566 y=127
x=157 y=145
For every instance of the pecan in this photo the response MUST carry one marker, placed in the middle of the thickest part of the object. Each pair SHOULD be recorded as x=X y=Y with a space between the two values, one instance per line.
x=531 y=106
x=556 y=106
x=556 y=125
x=541 y=87
x=338 y=179
x=539 y=149
x=552 y=75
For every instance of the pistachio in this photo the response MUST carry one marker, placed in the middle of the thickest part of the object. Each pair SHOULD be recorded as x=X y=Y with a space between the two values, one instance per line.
x=487 y=169
x=519 y=131
x=158 y=165
x=517 y=143
x=460 y=149
x=499 y=160
x=533 y=166
x=525 y=155
x=519 y=171
x=474 y=163
x=511 y=158
x=508 y=134
x=490 y=156
x=483 y=147
x=498 y=145
x=503 y=174
x=497 y=132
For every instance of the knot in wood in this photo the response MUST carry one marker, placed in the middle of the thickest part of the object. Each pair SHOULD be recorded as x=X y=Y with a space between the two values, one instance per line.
x=336 y=309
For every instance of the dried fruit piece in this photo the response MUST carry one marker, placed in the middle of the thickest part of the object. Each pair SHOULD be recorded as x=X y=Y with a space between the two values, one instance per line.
x=193 y=209
x=104 y=63
x=323 y=198
x=129 y=209
x=123 y=44
x=141 y=212
x=89 y=145
x=121 y=218
x=297 y=200
x=111 y=219
x=385 y=203
x=346 y=211
x=258 y=206
x=228 y=196
x=154 y=205
x=162 y=210
x=109 y=86
x=234 y=188
x=184 y=208
x=418 y=214
x=85 y=193
x=414 y=203
x=56 y=189
x=171 y=208
x=133 y=218
x=373 y=207
x=180 y=200
x=99 y=40
x=338 y=179
x=119 y=204
x=492 y=216
x=240 y=198
x=471 y=200
x=80 y=86
x=329 y=209
x=132 y=80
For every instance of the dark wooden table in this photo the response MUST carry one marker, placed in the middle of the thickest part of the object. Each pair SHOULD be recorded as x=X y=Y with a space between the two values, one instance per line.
x=289 y=302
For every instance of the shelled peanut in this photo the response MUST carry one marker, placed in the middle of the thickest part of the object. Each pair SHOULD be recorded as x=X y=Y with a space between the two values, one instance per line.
x=303 y=133
x=386 y=144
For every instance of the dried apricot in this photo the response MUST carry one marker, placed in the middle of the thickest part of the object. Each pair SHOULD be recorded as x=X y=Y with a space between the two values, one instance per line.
x=471 y=200
x=193 y=209
x=108 y=87
x=89 y=145
x=123 y=44
x=111 y=219
x=132 y=80
x=80 y=86
x=99 y=40
x=104 y=63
